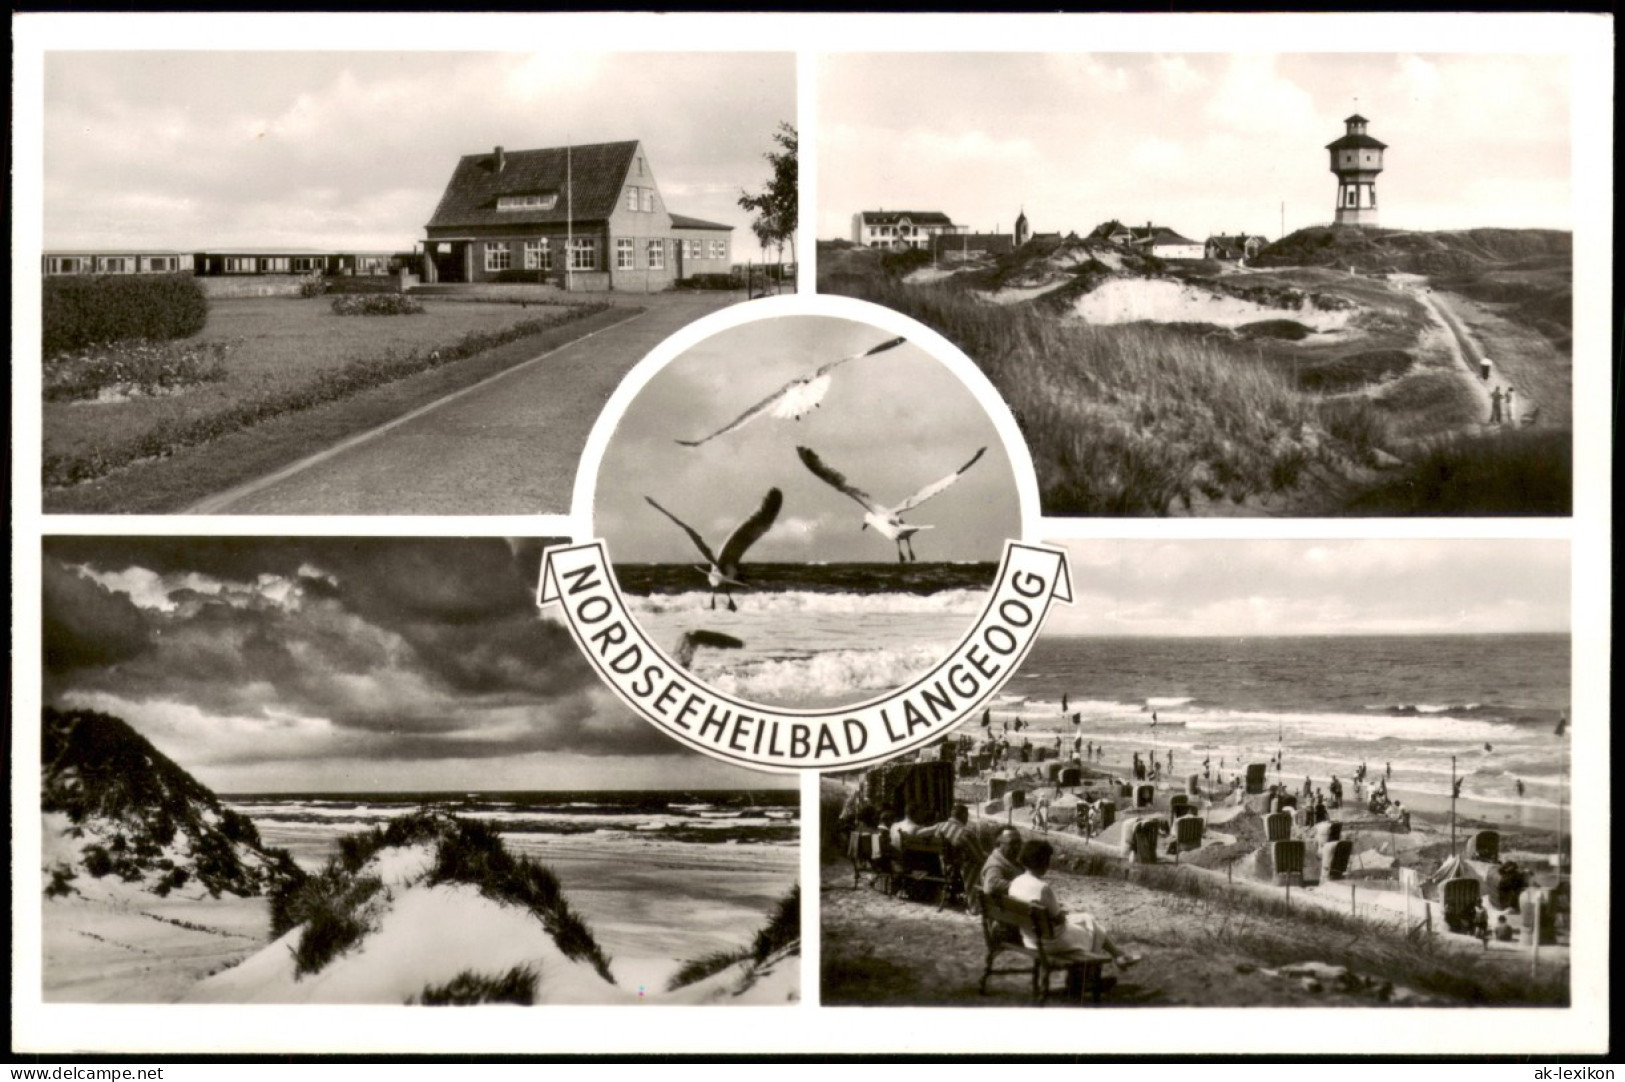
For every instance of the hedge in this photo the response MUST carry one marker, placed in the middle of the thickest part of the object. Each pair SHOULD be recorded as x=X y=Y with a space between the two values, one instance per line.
x=87 y=311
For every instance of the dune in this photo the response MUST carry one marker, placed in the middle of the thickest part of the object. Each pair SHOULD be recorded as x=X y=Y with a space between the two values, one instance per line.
x=425 y=936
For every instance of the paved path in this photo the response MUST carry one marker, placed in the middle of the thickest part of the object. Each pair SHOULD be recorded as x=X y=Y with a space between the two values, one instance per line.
x=509 y=445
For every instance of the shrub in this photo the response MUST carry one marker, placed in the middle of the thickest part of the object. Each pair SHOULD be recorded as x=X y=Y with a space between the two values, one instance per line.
x=61 y=876
x=312 y=286
x=511 y=276
x=469 y=989
x=87 y=311
x=97 y=862
x=377 y=304
x=711 y=281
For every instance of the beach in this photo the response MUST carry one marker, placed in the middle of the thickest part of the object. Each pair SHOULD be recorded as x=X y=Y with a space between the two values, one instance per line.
x=651 y=902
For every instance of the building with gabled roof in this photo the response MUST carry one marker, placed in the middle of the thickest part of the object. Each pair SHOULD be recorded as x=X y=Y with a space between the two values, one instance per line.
x=900 y=228
x=1234 y=247
x=582 y=217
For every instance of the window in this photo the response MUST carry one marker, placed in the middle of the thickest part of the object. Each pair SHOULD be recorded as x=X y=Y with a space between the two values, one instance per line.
x=528 y=202
x=305 y=264
x=693 y=249
x=1354 y=197
x=719 y=249
x=583 y=254
x=538 y=256
x=161 y=263
x=241 y=264
x=115 y=265
x=274 y=265
x=631 y=199
x=625 y=258
x=497 y=257
x=657 y=255
x=649 y=200
x=70 y=264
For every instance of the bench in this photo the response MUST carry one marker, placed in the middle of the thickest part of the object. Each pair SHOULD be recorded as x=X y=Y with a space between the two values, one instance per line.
x=923 y=862
x=1003 y=921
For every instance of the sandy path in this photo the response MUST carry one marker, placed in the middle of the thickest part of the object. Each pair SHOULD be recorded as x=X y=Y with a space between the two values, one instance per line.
x=1523 y=359
x=139 y=948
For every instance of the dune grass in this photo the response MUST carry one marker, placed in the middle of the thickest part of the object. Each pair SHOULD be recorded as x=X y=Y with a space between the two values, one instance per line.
x=469 y=989
x=1278 y=933
x=783 y=928
x=472 y=852
x=331 y=904
x=1137 y=420
x=1508 y=473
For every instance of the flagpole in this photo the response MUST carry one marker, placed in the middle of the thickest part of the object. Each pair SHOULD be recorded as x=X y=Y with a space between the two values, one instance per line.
x=569 y=221
x=1454 y=789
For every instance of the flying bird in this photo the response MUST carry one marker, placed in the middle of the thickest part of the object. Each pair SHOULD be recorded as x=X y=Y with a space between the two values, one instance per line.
x=722 y=569
x=887 y=521
x=795 y=399
x=691 y=642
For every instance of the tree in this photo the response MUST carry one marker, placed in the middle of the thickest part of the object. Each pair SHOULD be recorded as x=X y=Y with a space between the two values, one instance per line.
x=776 y=204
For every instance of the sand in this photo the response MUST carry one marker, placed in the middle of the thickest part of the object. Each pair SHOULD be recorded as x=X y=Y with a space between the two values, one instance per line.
x=652 y=906
x=1160 y=300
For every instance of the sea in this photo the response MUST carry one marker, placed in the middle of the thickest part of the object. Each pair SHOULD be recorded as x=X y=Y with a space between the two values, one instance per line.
x=814 y=634
x=1408 y=703
x=661 y=877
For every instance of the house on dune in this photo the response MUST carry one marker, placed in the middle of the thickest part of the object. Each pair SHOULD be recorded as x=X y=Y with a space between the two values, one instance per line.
x=582 y=217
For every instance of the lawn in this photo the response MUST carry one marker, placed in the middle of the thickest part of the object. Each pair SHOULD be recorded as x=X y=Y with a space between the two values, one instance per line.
x=282 y=349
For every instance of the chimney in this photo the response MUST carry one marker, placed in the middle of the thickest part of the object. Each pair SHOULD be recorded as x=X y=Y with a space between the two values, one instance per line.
x=502 y=159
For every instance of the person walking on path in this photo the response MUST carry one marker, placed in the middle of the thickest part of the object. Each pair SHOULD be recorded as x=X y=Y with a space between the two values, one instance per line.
x=1495 y=406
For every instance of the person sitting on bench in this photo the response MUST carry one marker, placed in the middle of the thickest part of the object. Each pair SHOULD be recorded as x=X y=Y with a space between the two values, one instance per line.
x=1073 y=931
x=1001 y=868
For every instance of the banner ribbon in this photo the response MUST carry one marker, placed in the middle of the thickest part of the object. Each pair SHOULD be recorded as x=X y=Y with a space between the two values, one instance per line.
x=577 y=579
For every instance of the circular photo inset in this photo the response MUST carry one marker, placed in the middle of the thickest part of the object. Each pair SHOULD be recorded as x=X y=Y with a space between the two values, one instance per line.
x=806 y=510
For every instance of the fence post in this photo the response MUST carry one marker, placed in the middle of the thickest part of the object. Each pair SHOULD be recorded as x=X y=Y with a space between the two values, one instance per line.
x=1354 y=909
x=1534 y=950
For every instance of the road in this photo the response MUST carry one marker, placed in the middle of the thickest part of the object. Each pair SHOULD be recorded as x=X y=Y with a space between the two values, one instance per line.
x=509 y=445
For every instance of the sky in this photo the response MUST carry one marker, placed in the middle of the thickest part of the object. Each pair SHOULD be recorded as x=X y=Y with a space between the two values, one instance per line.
x=1391 y=586
x=891 y=423
x=353 y=149
x=1205 y=143
x=345 y=664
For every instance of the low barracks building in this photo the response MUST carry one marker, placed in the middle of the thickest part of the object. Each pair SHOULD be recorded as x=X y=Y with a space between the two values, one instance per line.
x=583 y=217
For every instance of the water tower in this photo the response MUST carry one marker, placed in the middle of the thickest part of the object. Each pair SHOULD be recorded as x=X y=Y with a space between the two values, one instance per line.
x=1356 y=159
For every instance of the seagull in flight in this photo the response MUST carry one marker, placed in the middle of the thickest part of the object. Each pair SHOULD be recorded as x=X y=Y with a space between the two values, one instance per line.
x=887 y=521
x=722 y=570
x=693 y=640
x=795 y=399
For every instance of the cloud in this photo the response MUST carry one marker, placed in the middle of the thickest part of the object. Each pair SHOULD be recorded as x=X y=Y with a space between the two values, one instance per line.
x=86 y=625
x=243 y=651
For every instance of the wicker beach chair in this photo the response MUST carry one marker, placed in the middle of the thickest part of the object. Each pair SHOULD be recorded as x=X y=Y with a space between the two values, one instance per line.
x=1286 y=861
x=1278 y=826
x=1485 y=846
x=1461 y=897
x=1334 y=859
x=1188 y=831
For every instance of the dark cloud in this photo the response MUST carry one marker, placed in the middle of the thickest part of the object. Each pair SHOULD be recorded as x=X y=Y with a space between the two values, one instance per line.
x=404 y=649
x=87 y=625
